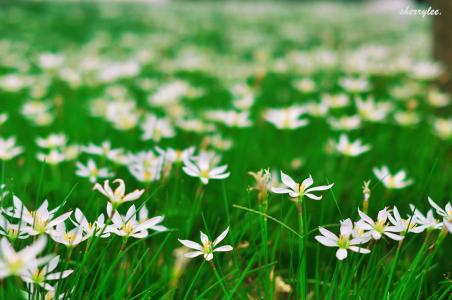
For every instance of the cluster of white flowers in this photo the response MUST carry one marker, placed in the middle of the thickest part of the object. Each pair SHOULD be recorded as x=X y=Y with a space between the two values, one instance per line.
x=388 y=224
x=17 y=222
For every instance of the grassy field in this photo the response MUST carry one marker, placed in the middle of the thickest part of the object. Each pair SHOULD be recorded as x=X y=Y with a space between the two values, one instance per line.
x=253 y=87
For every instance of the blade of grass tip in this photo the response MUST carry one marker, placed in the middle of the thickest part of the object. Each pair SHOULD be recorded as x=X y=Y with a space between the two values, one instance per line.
x=153 y=260
x=334 y=199
x=194 y=280
x=200 y=296
x=41 y=178
x=242 y=276
x=268 y=217
x=429 y=177
x=109 y=272
x=220 y=278
x=329 y=294
x=131 y=274
x=447 y=292
x=226 y=204
x=2 y=182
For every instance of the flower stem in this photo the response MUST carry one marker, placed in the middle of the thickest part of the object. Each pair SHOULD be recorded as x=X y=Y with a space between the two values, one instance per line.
x=220 y=280
x=194 y=280
x=393 y=267
x=301 y=250
x=264 y=246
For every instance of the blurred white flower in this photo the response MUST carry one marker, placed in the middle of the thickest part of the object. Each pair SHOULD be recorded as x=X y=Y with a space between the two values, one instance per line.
x=286 y=118
x=348 y=148
x=52 y=141
x=346 y=123
x=18 y=263
x=204 y=168
x=156 y=128
x=446 y=213
x=40 y=275
x=397 y=181
x=8 y=148
x=91 y=171
x=36 y=222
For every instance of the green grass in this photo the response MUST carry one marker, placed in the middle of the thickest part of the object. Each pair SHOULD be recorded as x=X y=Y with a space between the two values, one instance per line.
x=266 y=241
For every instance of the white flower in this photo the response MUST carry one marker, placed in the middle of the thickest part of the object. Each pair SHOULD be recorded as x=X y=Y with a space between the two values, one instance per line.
x=144 y=173
x=104 y=149
x=443 y=128
x=296 y=190
x=446 y=213
x=12 y=231
x=123 y=114
x=129 y=226
x=428 y=220
x=348 y=148
x=372 y=111
x=52 y=141
x=97 y=228
x=218 y=142
x=344 y=242
x=3 y=118
x=304 y=85
x=156 y=128
x=17 y=263
x=13 y=82
x=40 y=276
x=346 y=123
x=404 y=225
x=406 y=118
x=48 y=295
x=317 y=109
x=437 y=98
x=69 y=238
x=36 y=222
x=426 y=70
x=355 y=85
x=207 y=248
x=54 y=157
x=175 y=155
x=204 y=168
x=380 y=227
x=91 y=171
x=195 y=125
x=336 y=101
x=397 y=181
x=50 y=61
x=230 y=118
x=8 y=148
x=286 y=118
x=118 y=196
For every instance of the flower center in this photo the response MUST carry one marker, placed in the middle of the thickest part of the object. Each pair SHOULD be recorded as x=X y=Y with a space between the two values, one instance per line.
x=69 y=237
x=343 y=242
x=204 y=173
x=39 y=276
x=379 y=226
x=127 y=228
x=15 y=264
x=207 y=247
x=39 y=224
